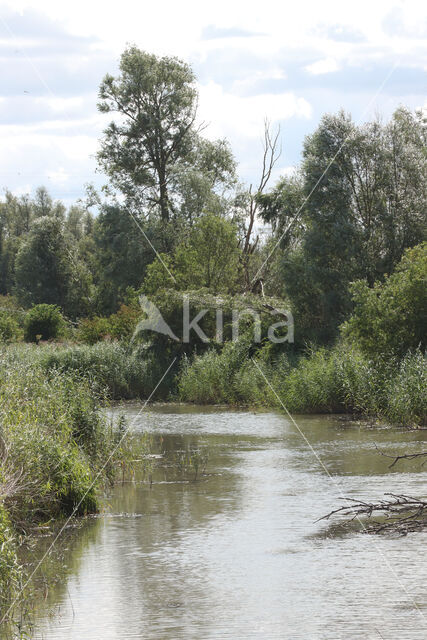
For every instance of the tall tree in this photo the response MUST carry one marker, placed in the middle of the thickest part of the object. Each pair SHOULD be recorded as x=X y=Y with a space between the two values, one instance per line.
x=48 y=270
x=359 y=202
x=156 y=99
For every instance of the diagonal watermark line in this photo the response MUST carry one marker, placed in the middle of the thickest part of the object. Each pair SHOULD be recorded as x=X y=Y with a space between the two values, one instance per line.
x=98 y=475
x=331 y=162
x=338 y=486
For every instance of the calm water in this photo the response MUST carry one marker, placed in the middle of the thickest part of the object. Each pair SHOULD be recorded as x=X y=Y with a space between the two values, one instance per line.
x=238 y=553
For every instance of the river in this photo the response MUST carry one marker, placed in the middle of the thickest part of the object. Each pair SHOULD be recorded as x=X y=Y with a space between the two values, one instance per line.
x=238 y=553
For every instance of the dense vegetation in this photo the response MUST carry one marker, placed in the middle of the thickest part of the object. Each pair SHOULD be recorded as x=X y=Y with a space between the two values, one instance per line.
x=343 y=249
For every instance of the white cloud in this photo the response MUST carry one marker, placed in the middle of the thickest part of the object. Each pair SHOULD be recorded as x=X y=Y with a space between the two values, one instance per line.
x=70 y=46
x=59 y=177
x=228 y=114
x=327 y=65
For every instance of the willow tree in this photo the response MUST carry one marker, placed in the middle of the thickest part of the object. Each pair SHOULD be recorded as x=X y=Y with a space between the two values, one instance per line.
x=156 y=100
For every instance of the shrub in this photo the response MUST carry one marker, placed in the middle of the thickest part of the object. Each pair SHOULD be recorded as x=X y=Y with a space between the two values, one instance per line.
x=120 y=325
x=43 y=322
x=389 y=319
x=9 y=328
x=92 y=330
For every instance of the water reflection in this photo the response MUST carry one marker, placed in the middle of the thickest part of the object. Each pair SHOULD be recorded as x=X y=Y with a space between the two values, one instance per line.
x=237 y=554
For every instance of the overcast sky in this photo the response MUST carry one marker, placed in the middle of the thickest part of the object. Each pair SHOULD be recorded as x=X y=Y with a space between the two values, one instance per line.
x=288 y=61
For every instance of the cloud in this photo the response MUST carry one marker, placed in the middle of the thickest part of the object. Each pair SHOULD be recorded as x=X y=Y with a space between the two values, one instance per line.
x=280 y=61
x=230 y=115
x=212 y=32
x=327 y=65
x=340 y=33
x=398 y=23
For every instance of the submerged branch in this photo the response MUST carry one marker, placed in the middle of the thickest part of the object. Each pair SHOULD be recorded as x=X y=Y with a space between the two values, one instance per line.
x=400 y=513
x=406 y=456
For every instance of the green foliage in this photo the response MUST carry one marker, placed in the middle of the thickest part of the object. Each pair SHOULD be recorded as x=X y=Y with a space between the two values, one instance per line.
x=120 y=370
x=119 y=326
x=389 y=318
x=337 y=380
x=48 y=269
x=9 y=328
x=43 y=322
x=9 y=571
x=361 y=201
x=54 y=437
x=208 y=259
x=406 y=394
x=153 y=153
x=92 y=330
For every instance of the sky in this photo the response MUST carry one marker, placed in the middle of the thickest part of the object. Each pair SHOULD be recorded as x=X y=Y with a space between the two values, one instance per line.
x=289 y=62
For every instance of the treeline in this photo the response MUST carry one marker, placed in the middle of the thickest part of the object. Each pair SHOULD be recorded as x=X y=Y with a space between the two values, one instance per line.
x=175 y=218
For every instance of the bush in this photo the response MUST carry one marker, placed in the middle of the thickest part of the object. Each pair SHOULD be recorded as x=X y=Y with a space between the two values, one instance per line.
x=43 y=322
x=92 y=330
x=120 y=326
x=389 y=319
x=9 y=328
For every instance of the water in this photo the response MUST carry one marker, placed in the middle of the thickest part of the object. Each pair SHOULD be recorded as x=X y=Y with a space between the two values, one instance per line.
x=238 y=554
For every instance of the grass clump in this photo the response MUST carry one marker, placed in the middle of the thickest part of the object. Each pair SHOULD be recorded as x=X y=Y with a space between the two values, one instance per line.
x=122 y=371
x=9 y=568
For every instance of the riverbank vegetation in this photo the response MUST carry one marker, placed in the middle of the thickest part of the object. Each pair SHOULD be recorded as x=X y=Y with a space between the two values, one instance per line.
x=57 y=452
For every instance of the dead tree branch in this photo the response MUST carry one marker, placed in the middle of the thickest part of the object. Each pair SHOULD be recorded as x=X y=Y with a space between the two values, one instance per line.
x=271 y=154
x=399 y=513
x=406 y=456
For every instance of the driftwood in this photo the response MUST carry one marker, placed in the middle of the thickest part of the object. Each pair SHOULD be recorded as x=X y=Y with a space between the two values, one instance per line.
x=406 y=456
x=399 y=513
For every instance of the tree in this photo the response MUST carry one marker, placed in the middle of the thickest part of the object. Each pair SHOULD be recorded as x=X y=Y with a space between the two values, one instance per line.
x=156 y=99
x=389 y=318
x=357 y=203
x=48 y=270
x=209 y=259
x=249 y=202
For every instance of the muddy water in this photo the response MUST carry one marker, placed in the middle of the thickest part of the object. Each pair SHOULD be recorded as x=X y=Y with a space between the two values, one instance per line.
x=238 y=554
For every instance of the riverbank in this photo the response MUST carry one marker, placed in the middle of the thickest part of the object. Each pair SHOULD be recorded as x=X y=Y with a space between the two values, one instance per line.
x=336 y=380
x=55 y=453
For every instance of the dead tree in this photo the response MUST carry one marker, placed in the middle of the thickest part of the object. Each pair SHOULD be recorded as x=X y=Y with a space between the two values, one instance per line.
x=271 y=154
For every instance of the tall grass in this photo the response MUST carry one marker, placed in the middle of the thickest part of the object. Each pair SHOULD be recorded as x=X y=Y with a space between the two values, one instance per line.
x=119 y=369
x=334 y=380
x=54 y=446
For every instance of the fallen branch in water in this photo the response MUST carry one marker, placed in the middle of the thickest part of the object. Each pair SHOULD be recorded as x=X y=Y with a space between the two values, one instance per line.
x=405 y=456
x=401 y=514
